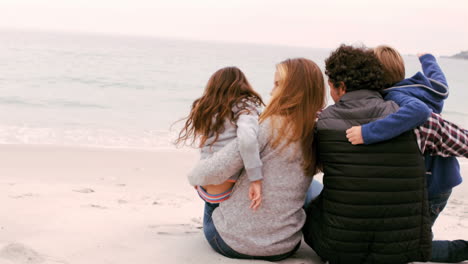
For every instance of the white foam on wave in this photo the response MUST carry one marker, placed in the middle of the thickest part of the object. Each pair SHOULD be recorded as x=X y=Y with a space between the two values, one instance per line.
x=90 y=137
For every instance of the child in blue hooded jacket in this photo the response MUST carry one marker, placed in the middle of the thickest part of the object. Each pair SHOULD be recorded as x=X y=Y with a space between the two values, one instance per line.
x=417 y=97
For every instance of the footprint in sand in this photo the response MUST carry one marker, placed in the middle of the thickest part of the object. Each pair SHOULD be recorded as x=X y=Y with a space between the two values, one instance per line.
x=121 y=201
x=19 y=254
x=173 y=229
x=97 y=206
x=26 y=195
x=175 y=201
x=84 y=190
x=178 y=229
x=197 y=222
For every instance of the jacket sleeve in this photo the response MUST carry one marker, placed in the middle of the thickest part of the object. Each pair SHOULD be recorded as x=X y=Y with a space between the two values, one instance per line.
x=226 y=162
x=218 y=168
x=431 y=69
x=247 y=133
x=412 y=113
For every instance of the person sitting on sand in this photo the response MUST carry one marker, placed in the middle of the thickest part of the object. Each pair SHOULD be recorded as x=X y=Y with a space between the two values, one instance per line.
x=419 y=97
x=286 y=140
x=373 y=207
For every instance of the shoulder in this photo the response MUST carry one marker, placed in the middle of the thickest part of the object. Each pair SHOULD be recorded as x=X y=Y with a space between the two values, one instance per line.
x=327 y=112
x=266 y=129
x=393 y=94
x=265 y=125
x=246 y=107
x=416 y=84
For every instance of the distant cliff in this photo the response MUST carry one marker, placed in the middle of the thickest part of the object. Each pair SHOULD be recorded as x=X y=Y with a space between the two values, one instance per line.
x=461 y=55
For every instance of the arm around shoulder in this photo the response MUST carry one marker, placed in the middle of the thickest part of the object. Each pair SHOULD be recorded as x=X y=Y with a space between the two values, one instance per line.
x=412 y=113
x=217 y=168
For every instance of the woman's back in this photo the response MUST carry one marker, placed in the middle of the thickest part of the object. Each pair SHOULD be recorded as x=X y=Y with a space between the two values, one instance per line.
x=275 y=228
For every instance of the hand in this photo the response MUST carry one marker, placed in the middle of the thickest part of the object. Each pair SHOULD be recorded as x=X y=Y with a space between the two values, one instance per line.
x=354 y=135
x=255 y=194
x=421 y=54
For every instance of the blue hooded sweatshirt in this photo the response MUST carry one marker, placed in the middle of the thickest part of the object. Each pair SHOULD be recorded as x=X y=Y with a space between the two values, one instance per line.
x=417 y=97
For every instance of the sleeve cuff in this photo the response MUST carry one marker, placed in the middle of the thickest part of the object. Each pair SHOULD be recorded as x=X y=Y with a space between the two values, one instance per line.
x=254 y=174
x=426 y=57
x=365 y=134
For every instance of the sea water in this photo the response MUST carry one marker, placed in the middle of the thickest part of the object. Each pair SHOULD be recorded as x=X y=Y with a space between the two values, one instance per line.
x=126 y=92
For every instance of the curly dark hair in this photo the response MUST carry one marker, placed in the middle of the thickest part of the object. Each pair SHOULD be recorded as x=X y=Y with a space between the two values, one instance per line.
x=357 y=67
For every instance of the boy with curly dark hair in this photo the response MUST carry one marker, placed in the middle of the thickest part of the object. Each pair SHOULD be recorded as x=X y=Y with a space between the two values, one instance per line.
x=355 y=67
x=364 y=214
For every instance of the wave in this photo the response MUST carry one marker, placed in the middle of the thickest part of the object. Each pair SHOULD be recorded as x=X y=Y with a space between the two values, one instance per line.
x=76 y=104
x=18 y=101
x=48 y=103
x=104 y=84
x=102 y=138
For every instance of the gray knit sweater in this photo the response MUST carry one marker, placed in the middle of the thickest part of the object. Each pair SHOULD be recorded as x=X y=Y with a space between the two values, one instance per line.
x=275 y=228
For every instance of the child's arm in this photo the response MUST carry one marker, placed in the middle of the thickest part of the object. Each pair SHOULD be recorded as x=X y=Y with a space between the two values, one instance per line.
x=247 y=132
x=219 y=167
x=226 y=162
x=431 y=68
x=412 y=113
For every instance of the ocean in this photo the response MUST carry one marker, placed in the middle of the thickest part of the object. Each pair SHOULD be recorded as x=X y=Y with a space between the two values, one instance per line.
x=75 y=89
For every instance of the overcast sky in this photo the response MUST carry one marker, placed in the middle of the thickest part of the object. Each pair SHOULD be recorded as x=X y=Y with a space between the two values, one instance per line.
x=411 y=26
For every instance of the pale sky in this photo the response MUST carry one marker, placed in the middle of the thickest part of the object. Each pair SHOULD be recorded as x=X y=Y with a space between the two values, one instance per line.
x=412 y=26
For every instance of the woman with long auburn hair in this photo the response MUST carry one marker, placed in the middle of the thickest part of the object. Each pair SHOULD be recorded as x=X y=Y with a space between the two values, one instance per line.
x=294 y=105
x=286 y=145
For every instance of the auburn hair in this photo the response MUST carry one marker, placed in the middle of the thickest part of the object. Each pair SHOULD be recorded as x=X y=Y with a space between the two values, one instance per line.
x=226 y=88
x=392 y=63
x=299 y=95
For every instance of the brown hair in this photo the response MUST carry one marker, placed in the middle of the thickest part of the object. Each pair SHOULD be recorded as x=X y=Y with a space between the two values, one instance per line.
x=226 y=88
x=297 y=99
x=393 y=64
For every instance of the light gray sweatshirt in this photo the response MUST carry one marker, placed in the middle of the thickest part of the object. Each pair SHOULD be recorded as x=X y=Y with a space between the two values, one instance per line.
x=246 y=132
x=275 y=228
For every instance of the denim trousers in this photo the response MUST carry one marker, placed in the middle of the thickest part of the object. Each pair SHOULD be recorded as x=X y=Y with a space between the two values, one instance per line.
x=218 y=244
x=444 y=250
x=313 y=192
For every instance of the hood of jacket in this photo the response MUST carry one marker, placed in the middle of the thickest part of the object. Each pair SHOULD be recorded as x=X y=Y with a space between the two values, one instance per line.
x=429 y=91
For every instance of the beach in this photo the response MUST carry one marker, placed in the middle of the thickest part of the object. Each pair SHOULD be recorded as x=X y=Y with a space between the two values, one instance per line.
x=102 y=205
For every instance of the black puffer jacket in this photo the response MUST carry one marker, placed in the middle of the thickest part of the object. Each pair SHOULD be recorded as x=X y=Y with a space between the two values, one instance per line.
x=373 y=208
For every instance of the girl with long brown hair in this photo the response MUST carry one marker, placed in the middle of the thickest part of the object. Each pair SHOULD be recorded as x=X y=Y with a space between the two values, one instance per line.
x=286 y=143
x=228 y=109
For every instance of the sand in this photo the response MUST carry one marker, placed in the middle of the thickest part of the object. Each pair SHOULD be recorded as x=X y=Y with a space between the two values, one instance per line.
x=85 y=205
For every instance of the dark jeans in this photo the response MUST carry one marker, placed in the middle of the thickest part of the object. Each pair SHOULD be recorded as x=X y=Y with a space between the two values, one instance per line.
x=313 y=192
x=218 y=244
x=444 y=250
